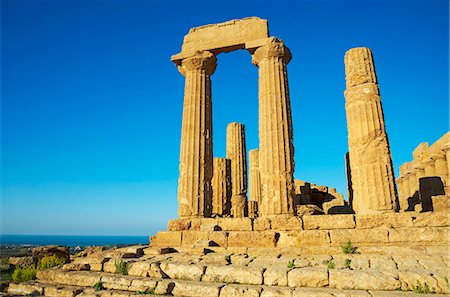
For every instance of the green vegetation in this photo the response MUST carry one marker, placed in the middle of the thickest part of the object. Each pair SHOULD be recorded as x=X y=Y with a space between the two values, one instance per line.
x=151 y=292
x=23 y=274
x=291 y=265
x=5 y=261
x=330 y=264
x=347 y=263
x=348 y=248
x=122 y=267
x=98 y=286
x=446 y=282
x=421 y=288
x=50 y=262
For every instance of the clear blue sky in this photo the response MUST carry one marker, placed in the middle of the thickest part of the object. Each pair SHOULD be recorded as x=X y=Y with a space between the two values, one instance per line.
x=91 y=103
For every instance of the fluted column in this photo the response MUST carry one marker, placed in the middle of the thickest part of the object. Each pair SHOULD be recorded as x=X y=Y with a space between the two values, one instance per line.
x=429 y=167
x=236 y=152
x=446 y=149
x=255 y=179
x=402 y=194
x=221 y=187
x=196 y=156
x=370 y=157
x=441 y=167
x=276 y=150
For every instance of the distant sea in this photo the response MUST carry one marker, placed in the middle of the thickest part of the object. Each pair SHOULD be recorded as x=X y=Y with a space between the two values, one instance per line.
x=71 y=240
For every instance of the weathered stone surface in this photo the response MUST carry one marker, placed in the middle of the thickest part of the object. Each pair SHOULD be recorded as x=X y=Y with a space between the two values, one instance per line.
x=191 y=237
x=195 y=289
x=358 y=235
x=76 y=266
x=276 y=292
x=182 y=271
x=50 y=250
x=286 y=223
x=237 y=154
x=143 y=285
x=373 y=182
x=221 y=184
x=140 y=268
x=153 y=251
x=440 y=203
x=21 y=261
x=235 y=224
x=308 y=277
x=308 y=210
x=303 y=238
x=179 y=224
x=436 y=234
x=234 y=274
x=196 y=157
x=66 y=291
x=167 y=239
x=329 y=222
x=240 y=290
x=73 y=278
x=22 y=289
x=390 y=220
x=382 y=263
x=363 y=280
x=276 y=276
x=312 y=292
x=254 y=177
x=254 y=239
x=276 y=149
x=261 y=224
x=430 y=219
x=411 y=279
x=116 y=282
x=219 y=237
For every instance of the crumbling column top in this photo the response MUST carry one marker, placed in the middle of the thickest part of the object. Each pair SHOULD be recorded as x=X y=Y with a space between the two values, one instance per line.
x=200 y=60
x=271 y=47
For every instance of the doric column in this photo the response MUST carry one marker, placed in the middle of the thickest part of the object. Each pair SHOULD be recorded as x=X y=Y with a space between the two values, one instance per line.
x=276 y=149
x=428 y=165
x=221 y=186
x=236 y=152
x=446 y=149
x=402 y=194
x=440 y=166
x=370 y=157
x=196 y=156
x=255 y=179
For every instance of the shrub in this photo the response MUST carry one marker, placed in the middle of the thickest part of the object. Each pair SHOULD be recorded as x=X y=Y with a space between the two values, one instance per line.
x=122 y=267
x=5 y=261
x=49 y=262
x=291 y=265
x=347 y=263
x=421 y=288
x=98 y=286
x=330 y=264
x=348 y=248
x=22 y=274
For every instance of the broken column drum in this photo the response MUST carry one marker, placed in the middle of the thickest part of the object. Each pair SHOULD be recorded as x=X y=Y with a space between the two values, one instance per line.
x=221 y=186
x=373 y=182
x=276 y=150
x=236 y=153
x=196 y=156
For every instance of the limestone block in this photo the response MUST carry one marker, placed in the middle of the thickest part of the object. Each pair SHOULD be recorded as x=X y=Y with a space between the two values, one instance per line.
x=240 y=290
x=409 y=280
x=359 y=235
x=358 y=262
x=179 y=224
x=399 y=294
x=286 y=223
x=67 y=291
x=167 y=239
x=116 y=282
x=235 y=224
x=76 y=266
x=50 y=250
x=329 y=222
x=432 y=234
x=164 y=287
x=309 y=209
x=191 y=272
x=24 y=289
x=73 y=278
x=432 y=263
x=153 y=251
x=276 y=292
x=219 y=237
x=191 y=237
x=261 y=224
x=21 y=261
x=140 y=268
x=441 y=203
x=406 y=262
x=223 y=37
x=234 y=274
x=363 y=280
x=194 y=289
x=303 y=238
x=155 y=271
x=312 y=292
x=382 y=263
x=390 y=220
x=252 y=239
x=276 y=276
x=431 y=219
x=308 y=277
x=143 y=285
x=214 y=259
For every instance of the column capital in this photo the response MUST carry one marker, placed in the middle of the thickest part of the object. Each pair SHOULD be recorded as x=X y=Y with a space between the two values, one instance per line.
x=200 y=60
x=273 y=48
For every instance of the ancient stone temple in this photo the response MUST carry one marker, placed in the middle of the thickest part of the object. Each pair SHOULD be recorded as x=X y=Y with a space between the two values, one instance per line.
x=372 y=174
x=258 y=232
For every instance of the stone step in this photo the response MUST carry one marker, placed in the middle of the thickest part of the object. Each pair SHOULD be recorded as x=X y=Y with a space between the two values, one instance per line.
x=181 y=288
x=380 y=277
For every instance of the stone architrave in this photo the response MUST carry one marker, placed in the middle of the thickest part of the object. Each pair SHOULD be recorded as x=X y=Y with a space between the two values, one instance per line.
x=236 y=153
x=255 y=179
x=370 y=157
x=276 y=150
x=221 y=186
x=196 y=155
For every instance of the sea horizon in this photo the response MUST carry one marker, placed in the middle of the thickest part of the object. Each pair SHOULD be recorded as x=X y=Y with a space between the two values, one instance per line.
x=72 y=240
